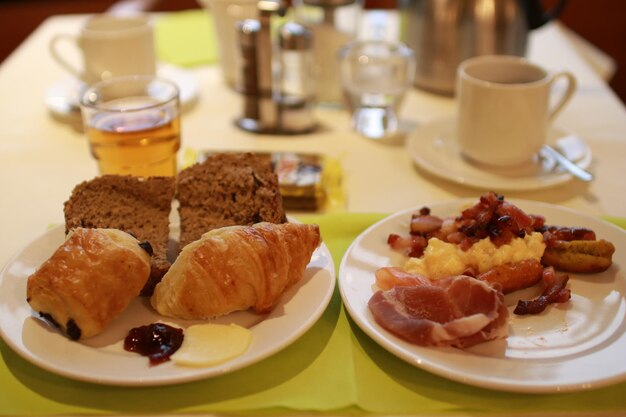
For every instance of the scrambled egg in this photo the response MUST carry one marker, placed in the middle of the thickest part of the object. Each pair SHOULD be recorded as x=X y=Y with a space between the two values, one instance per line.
x=441 y=259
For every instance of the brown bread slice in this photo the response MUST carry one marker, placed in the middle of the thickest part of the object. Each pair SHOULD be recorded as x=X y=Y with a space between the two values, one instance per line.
x=227 y=189
x=139 y=206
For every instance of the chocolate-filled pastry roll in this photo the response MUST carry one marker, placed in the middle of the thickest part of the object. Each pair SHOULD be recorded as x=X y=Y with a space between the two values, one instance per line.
x=89 y=280
x=236 y=268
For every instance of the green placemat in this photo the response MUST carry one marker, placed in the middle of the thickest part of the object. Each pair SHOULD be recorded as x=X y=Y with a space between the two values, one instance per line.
x=186 y=38
x=334 y=368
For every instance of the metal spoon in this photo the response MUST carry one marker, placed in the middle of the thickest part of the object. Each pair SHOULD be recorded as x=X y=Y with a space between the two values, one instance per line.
x=568 y=165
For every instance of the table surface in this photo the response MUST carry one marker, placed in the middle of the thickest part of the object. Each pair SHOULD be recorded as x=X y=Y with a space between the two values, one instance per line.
x=42 y=159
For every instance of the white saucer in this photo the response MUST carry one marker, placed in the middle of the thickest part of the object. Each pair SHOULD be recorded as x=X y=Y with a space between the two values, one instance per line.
x=62 y=97
x=434 y=149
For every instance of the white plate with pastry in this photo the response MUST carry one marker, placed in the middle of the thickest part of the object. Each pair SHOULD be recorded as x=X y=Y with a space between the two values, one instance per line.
x=573 y=346
x=102 y=358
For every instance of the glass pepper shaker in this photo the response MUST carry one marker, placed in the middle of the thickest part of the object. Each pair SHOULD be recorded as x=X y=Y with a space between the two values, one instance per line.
x=296 y=81
x=333 y=24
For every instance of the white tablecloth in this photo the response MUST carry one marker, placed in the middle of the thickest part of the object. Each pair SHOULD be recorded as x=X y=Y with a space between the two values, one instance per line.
x=42 y=159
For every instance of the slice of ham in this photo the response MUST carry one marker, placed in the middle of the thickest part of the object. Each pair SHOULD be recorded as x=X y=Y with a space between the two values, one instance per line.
x=459 y=311
x=387 y=278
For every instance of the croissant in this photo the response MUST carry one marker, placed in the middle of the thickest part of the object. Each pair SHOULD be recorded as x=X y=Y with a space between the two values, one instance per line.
x=89 y=280
x=236 y=268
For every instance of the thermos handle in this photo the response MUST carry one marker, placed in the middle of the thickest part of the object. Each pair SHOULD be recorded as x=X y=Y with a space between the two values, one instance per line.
x=536 y=16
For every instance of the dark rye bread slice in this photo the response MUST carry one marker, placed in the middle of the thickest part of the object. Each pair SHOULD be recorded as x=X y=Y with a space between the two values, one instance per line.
x=227 y=189
x=139 y=206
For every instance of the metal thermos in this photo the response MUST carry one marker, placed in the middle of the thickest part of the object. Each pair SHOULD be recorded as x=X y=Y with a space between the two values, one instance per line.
x=443 y=33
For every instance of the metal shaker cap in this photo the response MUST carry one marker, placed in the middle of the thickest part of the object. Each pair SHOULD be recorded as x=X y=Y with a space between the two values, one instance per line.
x=247 y=31
x=329 y=3
x=294 y=36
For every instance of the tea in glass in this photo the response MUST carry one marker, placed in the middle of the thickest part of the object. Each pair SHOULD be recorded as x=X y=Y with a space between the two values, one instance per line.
x=133 y=125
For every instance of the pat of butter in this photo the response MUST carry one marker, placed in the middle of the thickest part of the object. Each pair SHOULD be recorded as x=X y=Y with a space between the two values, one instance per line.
x=211 y=344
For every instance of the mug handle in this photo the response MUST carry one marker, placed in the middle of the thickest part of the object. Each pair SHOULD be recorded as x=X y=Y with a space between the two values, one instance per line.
x=57 y=56
x=567 y=95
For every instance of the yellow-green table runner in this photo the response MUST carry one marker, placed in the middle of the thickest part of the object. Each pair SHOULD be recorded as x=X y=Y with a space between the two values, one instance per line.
x=334 y=368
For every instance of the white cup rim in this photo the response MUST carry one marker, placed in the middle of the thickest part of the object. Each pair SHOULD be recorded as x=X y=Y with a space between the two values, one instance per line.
x=118 y=26
x=470 y=63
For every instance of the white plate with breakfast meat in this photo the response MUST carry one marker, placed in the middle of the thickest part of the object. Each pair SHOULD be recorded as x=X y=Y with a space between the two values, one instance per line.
x=102 y=358
x=574 y=344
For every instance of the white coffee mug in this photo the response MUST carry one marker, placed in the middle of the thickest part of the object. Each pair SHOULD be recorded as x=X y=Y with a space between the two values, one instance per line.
x=505 y=109
x=110 y=46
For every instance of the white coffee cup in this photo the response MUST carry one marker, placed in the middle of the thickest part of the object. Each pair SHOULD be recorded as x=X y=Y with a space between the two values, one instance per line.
x=110 y=46
x=226 y=14
x=505 y=108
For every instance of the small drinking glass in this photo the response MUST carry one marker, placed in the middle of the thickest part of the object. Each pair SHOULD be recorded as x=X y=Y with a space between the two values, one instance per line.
x=133 y=125
x=375 y=76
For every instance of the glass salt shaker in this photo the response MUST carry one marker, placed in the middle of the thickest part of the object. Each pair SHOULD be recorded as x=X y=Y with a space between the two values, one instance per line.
x=296 y=82
x=333 y=24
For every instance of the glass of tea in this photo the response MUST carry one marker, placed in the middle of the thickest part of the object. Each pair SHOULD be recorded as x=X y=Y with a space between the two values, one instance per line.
x=133 y=125
x=375 y=76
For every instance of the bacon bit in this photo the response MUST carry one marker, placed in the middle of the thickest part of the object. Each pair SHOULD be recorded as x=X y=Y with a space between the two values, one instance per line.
x=411 y=245
x=491 y=217
x=495 y=218
x=465 y=244
x=425 y=223
x=538 y=221
x=455 y=237
x=553 y=234
x=554 y=292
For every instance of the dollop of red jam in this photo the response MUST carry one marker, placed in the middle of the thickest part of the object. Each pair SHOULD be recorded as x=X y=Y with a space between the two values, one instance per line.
x=157 y=341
